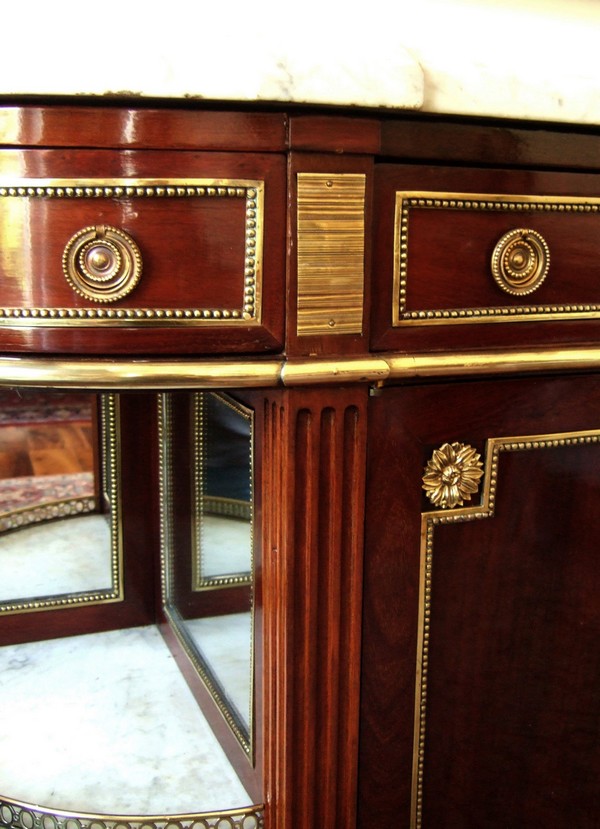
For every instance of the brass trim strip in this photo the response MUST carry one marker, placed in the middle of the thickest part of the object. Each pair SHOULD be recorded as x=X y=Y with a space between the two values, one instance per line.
x=171 y=374
x=16 y=813
x=515 y=206
x=249 y=312
x=331 y=253
x=429 y=521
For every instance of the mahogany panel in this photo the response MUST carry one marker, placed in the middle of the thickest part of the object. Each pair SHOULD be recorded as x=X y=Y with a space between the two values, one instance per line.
x=493 y=143
x=448 y=260
x=312 y=567
x=142 y=127
x=511 y=720
x=194 y=250
x=339 y=134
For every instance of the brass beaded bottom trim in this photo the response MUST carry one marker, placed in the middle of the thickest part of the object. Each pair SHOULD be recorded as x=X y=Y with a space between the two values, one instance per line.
x=17 y=815
x=405 y=201
x=46 y=512
x=429 y=521
x=252 y=191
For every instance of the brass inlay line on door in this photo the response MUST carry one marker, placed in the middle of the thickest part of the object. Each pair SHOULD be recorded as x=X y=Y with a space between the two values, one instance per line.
x=429 y=521
x=331 y=253
x=518 y=209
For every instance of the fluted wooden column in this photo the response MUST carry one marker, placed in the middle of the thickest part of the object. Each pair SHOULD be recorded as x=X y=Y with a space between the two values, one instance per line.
x=312 y=575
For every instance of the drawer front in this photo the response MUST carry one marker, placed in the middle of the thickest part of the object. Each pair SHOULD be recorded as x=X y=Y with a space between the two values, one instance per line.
x=145 y=253
x=478 y=257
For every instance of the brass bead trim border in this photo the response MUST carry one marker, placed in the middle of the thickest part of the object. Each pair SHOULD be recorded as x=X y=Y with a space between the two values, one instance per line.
x=15 y=814
x=221 y=506
x=252 y=191
x=166 y=571
x=429 y=521
x=112 y=455
x=518 y=206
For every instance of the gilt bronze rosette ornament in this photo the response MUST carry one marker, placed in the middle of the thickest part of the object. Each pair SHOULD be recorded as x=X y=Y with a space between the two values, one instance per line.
x=452 y=475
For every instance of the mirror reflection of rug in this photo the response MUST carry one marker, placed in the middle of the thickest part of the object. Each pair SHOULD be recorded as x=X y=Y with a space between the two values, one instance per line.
x=30 y=499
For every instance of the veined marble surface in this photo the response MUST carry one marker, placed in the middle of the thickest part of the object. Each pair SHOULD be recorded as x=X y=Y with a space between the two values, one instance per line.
x=532 y=59
x=106 y=723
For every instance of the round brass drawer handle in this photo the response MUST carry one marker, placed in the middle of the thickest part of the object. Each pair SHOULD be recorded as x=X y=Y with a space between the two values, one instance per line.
x=102 y=263
x=520 y=261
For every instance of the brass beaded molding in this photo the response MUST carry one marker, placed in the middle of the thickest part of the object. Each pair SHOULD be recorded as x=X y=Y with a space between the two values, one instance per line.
x=429 y=521
x=249 y=313
x=15 y=814
x=166 y=472
x=511 y=204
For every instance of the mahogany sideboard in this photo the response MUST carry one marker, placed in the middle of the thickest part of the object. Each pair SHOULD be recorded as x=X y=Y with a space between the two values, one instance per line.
x=408 y=309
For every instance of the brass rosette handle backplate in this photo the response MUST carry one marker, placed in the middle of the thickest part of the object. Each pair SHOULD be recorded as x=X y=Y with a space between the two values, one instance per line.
x=520 y=261
x=102 y=263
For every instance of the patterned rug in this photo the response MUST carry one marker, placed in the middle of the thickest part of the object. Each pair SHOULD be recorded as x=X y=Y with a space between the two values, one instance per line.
x=29 y=499
x=31 y=407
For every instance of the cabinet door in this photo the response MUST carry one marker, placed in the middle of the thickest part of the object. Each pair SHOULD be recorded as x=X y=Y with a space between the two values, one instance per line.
x=481 y=669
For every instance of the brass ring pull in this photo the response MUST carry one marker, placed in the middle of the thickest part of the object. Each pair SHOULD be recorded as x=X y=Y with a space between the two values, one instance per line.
x=520 y=261
x=102 y=263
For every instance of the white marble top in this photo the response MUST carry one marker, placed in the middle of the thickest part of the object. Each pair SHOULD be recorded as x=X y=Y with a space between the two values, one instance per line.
x=532 y=59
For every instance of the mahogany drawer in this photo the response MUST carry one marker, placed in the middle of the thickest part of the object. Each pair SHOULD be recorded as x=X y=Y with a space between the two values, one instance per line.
x=490 y=257
x=137 y=251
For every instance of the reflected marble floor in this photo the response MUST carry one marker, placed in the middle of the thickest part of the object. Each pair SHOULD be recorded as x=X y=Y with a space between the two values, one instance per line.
x=226 y=644
x=68 y=556
x=106 y=723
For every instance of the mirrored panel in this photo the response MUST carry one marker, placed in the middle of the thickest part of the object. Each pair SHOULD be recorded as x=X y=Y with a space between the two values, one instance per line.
x=59 y=500
x=208 y=545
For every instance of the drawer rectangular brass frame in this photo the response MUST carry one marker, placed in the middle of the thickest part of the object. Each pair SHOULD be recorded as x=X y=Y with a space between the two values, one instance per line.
x=520 y=206
x=246 y=313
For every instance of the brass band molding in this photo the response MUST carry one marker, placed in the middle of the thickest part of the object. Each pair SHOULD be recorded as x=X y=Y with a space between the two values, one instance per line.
x=98 y=374
x=15 y=814
x=448 y=515
x=331 y=253
x=248 y=313
x=517 y=208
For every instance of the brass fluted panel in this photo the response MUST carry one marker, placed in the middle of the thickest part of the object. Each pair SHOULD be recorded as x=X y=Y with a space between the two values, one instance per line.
x=331 y=247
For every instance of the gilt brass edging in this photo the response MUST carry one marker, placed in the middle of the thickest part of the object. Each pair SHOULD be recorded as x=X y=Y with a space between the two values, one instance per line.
x=16 y=814
x=429 y=521
x=251 y=190
x=169 y=374
x=515 y=206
